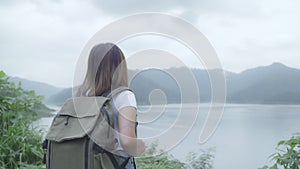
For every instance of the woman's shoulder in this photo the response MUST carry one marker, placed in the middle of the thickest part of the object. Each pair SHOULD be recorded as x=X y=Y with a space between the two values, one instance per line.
x=125 y=93
x=124 y=98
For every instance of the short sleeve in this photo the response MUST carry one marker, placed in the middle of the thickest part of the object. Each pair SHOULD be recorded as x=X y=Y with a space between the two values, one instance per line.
x=124 y=99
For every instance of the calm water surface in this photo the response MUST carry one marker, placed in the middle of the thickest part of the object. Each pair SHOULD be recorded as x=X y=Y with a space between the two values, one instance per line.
x=246 y=136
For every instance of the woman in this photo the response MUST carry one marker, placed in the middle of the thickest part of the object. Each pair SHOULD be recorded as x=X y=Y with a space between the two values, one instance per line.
x=107 y=70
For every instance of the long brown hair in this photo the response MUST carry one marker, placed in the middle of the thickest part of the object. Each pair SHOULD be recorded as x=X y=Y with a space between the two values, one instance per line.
x=106 y=70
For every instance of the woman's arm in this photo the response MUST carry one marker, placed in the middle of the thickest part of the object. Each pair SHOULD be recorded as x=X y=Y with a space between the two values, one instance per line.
x=127 y=119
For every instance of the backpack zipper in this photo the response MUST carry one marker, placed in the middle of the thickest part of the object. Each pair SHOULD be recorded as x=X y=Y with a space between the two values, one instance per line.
x=49 y=155
x=86 y=153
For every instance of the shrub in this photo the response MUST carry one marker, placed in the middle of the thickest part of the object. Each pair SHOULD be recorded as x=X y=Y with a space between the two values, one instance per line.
x=288 y=155
x=20 y=144
x=161 y=161
x=202 y=160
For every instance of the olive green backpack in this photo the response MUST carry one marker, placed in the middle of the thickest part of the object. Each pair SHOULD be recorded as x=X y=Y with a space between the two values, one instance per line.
x=82 y=135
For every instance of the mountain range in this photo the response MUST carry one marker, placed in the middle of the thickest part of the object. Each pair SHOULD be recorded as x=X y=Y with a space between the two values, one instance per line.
x=272 y=84
x=39 y=88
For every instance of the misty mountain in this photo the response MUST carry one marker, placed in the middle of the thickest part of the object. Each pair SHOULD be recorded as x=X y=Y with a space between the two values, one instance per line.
x=272 y=84
x=40 y=88
x=60 y=97
x=275 y=83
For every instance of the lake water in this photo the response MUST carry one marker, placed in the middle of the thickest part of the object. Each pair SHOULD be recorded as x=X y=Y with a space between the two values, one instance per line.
x=246 y=136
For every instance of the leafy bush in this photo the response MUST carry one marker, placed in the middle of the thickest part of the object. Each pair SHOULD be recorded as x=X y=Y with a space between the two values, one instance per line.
x=203 y=160
x=288 y=155
x=163 y=161
x=20 y=144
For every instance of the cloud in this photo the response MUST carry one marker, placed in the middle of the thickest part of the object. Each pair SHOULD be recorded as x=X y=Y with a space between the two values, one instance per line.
x=115 y=7
x=46 y=36
x=41 y=40
x=244 y=42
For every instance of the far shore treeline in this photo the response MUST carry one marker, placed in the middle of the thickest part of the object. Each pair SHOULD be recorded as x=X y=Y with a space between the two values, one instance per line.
x=273 y=84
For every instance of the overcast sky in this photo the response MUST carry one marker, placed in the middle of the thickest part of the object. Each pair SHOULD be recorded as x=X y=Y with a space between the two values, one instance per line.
x=42 y=40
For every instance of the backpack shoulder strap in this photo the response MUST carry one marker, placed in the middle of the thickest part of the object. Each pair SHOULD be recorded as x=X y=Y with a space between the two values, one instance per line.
x=118 y=90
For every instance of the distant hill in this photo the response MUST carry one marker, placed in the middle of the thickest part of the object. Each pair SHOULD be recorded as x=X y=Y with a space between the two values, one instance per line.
x=272 y=84
x=40 y=88
x=275 y=83
x=60 y=97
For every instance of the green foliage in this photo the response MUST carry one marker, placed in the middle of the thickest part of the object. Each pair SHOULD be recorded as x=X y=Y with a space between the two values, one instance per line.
x=288 y=155
x=20 y=144
x=202 y=160
x=162 y=161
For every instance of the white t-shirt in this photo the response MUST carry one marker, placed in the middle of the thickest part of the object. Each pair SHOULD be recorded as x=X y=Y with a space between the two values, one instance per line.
x=124 y=99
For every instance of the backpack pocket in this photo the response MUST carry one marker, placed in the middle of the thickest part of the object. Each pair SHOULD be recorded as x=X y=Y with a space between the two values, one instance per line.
x=76 y=119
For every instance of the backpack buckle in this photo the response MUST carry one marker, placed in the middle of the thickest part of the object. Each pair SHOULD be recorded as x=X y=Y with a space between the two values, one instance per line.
x=98 y=149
